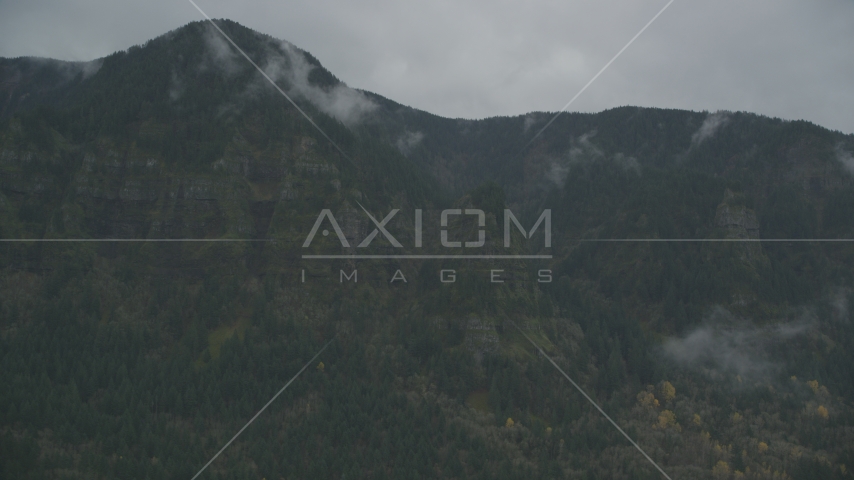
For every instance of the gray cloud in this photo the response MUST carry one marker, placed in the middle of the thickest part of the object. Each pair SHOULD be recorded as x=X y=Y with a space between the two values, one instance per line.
x=286 y=65
x=408 y=141
x=176 y=87
x=584 y=151
x=220 y=54
x=86 y=69
x=710 y=126
x=91 y=67
x=784 y=58
x=726 y=344
x=340 y=101
x=68 y=70
x=531 y=119
x=845 y=158
x=840 y=303
x=557 y=173
x=628 y=163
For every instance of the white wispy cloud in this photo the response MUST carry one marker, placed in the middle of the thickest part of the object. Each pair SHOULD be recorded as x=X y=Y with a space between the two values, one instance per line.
x=409 y=140
x=845 y=158
x=710 y=126
x=346 y=104
x=286 y=65
x=219 y=54
x=176 y=87
x=89 y=68
x=530 y=120
x=727 y=344
x=583 y=151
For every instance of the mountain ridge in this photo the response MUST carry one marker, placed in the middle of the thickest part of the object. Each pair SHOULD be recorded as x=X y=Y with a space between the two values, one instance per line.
x=141 y=358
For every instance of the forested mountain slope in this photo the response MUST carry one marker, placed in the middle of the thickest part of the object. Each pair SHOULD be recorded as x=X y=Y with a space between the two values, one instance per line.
x=141 y=354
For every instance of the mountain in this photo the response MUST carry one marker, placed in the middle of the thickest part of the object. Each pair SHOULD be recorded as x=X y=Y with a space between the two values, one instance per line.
x=212 y=197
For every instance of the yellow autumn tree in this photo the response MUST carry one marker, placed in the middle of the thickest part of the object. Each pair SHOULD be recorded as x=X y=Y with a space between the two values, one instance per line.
x=509 y=423
x=667 y=419
x=822 y=412
x=721 y=469
x=320 y=367
x=763 y=447
x=647 y=399
x=668 y=391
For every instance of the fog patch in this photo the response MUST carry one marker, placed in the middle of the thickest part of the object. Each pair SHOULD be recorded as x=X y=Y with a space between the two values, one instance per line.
x=176 y=87
x=556 y=173
x=530 y=120
x=710 y=126
x=408 y=141
x=219 y=54
x=840 y=303
x=582 y=152
x=628 y=163
x=584 y=148
x=348 y=105
x=87 y=69
x=727 y=344
x=67 y=70
x=845 y=158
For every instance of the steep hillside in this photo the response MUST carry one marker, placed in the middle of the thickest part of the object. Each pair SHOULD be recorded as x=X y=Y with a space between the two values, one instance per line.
x=216 y=272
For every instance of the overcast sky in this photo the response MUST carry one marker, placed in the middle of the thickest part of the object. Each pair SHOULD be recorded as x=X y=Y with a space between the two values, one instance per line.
x=473 y=59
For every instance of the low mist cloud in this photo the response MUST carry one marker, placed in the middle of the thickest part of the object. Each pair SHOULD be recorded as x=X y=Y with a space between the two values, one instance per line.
x=839 y=302
x=584 y=151
x=557 y=173
x=68 y=70
x=710 y=126
x=348 y=105
x=726 y=344
x=286 y=65
x=845 y=158
x=530 y=120
x=220 y=54
x=408 y=141
x=89 y=68
x=176 y=87
x=628 y=163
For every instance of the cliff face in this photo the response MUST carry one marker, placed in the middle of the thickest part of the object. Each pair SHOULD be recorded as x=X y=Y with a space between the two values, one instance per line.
x=117 y=188
x=737 y=220
x=740 y=222
x=133 y=194
x=481 y=337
